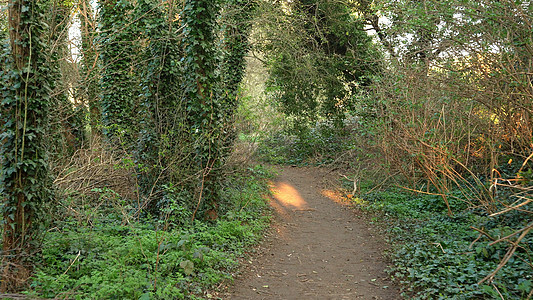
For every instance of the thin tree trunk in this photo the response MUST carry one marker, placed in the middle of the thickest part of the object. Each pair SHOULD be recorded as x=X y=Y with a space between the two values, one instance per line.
x=89 y=74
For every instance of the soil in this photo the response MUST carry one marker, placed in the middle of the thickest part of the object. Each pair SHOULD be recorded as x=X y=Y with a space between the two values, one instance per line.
x=318 y=249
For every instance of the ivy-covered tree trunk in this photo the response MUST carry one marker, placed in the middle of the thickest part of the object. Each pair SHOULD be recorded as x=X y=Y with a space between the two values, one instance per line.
x=161 y=147
x=235 y=47
x=24 y=188
x=204 y=109
x=117 y=53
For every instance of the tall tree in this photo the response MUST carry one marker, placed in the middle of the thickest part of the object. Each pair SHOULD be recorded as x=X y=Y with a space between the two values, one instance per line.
x=66 y=118
x=204 y=110
x=24 y=184
x=117 y=54
x=89 y=67
x=162 y=149
x=235 y=45
x=318 y=56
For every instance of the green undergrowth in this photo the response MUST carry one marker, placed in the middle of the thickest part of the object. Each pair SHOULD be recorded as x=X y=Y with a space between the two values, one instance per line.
x=436 y=256
x=152 y=258
x=315 y=146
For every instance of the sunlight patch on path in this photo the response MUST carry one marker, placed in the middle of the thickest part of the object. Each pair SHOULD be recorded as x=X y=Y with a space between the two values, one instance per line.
x=285 y=199
x=287 y=196
x=335 y=196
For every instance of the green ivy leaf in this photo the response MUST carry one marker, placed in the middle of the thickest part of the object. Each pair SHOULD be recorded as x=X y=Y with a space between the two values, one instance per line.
x=145 y=296
x=187 y=266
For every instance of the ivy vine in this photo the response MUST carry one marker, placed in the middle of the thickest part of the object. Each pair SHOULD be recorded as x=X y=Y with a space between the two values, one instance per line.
x=117 y=58
x=199 y=83
x=24 y=180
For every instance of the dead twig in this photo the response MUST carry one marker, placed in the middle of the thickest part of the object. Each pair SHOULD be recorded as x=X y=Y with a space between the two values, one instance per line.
x=71 y=264
x=512 y=234
x=513 y=207
x=508 y=256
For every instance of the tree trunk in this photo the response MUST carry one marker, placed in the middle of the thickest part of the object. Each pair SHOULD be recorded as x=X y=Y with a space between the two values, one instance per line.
x=89 y=76
x=199 y=17
x=23 y=174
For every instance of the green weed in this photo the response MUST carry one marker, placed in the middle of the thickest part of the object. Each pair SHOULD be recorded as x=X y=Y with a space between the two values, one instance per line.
x=148 y=259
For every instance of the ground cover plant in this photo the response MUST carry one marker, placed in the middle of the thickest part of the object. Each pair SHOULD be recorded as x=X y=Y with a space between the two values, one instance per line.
x=105 y=256
x=437 y=256
x=313 y=146
x=116 y=123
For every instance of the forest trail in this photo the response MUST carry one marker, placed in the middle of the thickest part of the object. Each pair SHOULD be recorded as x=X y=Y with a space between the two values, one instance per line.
x=318 y=249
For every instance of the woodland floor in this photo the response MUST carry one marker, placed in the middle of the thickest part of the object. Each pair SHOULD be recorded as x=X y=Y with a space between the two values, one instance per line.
x=318 y=248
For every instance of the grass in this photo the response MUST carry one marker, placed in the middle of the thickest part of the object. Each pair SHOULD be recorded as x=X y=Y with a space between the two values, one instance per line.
x=151 y=258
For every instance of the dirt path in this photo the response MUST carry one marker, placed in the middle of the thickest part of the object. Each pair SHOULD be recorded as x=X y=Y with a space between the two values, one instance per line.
x=319 y=249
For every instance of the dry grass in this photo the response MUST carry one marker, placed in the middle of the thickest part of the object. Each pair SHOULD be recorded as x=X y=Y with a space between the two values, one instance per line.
x=97 y=167
x=94 y=177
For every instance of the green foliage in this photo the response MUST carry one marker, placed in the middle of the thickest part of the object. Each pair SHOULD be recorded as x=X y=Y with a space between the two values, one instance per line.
x=319 y=61
x=199 y=68
x=236 y=28
x=447 y=103
x=164 y=139
x=25 y=88
x=440 y=257
x=156 y=258
x=235 y=45
x=318 y=145
x=210 y=97
x=118 y=84
x=204 y=118
x=167 y=93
